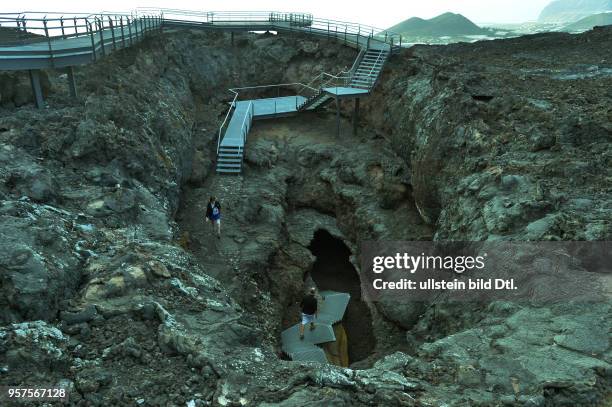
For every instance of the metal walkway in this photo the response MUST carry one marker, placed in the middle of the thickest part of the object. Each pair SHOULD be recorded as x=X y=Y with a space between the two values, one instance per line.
x=354 y=84
x=331 y=311
x=33 y=41
x=231 y=146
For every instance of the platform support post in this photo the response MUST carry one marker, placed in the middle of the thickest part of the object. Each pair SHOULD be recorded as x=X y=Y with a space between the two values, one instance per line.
x=338 y=115
x=356 y=117
x=232 y=38
x=36 y=89
x=71 y=82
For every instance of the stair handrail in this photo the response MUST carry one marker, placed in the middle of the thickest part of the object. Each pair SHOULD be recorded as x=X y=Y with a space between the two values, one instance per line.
x=372 y=70
x=246 y=124
x=232 y=105
x=362 y=51
x=350 y=73
x=276 y=85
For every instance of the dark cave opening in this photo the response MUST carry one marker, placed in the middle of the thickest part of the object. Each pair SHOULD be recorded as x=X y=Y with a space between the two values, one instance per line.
x=332 y=270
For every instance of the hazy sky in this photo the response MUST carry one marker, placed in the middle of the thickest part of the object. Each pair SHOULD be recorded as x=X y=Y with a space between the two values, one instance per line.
x=379 y=14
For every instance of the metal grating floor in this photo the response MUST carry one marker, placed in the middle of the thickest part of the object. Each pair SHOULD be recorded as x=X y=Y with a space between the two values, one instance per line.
x=331 y=311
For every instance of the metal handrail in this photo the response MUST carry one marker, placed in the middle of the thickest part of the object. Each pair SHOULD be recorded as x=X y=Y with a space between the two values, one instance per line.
x=276 y=85
x=33 y=30
x=246 y=123
x=232 y=105
x=372 y=70
x=352 y=32
x=324 y=26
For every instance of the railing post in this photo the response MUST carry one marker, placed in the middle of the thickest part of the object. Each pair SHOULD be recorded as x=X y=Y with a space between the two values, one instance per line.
x=135 y=21
x=19 y=30
x=129 y=25
x=122 y=32
x=112 y=30
x=328 y=29
x=76 y=29
x=91 y=35
x=62 y=26
x=400 y=42
x=101 y=32
x=48 y=39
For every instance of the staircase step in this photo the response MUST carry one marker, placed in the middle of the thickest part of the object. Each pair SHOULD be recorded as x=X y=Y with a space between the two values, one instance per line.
x=229 y=160
x=229 y=171
x=228 y=167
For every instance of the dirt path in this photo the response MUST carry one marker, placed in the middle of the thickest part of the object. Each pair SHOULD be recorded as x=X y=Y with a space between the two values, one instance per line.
x=214 y=254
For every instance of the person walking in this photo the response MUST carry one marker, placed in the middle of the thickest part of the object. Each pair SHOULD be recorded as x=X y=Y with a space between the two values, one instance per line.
x=213 y=215
x=309 y=310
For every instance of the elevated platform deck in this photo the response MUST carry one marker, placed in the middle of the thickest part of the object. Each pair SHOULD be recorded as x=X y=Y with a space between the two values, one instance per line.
x=346 y=92
x=62 y=52
x=267 y=108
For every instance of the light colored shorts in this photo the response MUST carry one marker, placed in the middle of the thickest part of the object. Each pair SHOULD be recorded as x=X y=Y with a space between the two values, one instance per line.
x=306 y=318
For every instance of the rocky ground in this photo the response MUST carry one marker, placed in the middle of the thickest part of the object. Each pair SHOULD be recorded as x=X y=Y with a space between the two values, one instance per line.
x=113 y=286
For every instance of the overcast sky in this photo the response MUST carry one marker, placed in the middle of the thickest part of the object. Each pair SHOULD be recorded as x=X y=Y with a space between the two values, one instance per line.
x=381 y=14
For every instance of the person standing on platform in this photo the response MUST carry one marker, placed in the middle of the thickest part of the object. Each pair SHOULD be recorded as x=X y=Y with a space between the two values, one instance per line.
x=309 y=310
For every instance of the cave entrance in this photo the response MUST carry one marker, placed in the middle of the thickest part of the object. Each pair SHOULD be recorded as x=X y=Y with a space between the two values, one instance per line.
x=332 y=270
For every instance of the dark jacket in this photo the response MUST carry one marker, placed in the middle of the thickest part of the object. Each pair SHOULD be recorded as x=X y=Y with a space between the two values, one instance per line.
x=209 y=208
x=309 y=304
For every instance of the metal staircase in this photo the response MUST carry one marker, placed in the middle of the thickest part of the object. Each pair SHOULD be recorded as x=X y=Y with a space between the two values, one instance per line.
x=319 y=99
x=367 y=73
x=320 y=91
x=229 y=159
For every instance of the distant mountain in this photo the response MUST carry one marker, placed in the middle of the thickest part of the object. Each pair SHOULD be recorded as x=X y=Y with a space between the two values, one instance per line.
x=569 y=11
x=589 y=22
x=447 y=24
